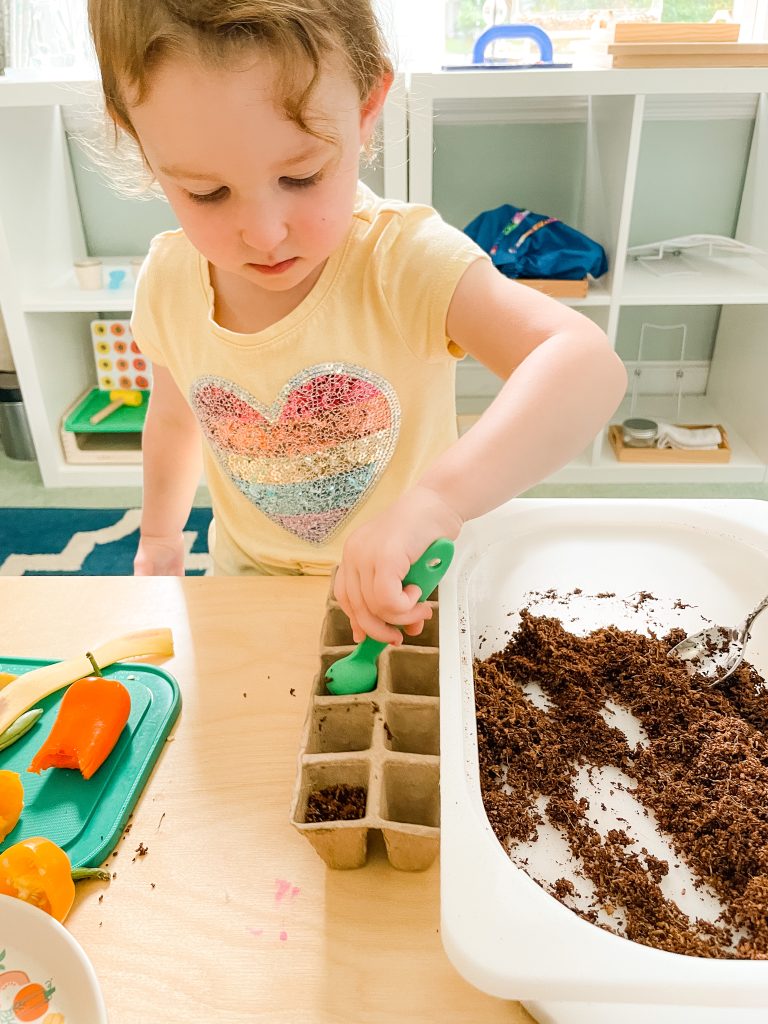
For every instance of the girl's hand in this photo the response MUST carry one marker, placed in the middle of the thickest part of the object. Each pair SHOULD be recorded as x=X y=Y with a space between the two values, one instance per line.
x=159 y=556
x=378 y=555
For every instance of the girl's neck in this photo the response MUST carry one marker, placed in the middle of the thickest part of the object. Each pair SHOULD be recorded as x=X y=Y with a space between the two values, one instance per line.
x=243 y=307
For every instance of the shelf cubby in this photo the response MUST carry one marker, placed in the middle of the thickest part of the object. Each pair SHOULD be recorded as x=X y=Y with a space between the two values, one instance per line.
x=627 y=156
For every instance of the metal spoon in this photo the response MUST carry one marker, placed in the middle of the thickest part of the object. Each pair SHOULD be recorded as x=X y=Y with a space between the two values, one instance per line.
x=717 y=652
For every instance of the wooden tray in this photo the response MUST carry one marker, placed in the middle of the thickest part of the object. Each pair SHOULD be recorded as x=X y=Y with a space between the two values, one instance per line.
x=97 y=446
x=663 y=456
x=558 y=288
x=675 y=32
x=689 y=55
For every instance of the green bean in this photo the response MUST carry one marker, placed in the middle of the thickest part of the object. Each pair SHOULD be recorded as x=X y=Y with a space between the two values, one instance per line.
x=22 y=725
x=85 y=874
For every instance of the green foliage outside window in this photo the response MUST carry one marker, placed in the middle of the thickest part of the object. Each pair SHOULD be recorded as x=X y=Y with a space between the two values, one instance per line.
x=690 y=10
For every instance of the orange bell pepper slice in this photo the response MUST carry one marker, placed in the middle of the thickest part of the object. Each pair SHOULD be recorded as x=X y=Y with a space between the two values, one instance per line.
x=38 y=872
x=11 y=801
x=92 y=715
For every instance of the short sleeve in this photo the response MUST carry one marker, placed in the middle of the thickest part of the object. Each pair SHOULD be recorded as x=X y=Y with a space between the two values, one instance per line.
x=422 y=264
x=145 y=319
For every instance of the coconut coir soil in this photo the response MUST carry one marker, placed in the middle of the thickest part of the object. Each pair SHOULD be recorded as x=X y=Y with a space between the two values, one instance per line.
x=703 y=773
x=336 y=803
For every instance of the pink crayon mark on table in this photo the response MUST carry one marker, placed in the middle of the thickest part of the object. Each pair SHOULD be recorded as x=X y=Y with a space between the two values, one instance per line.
x=284 y=888
x=283 y=936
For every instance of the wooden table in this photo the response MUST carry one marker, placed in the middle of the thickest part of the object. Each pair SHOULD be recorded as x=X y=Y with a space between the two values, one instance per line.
x=231 y=916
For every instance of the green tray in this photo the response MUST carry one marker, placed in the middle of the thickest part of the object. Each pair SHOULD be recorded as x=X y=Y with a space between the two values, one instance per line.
x=87 y=817
x=128 y=419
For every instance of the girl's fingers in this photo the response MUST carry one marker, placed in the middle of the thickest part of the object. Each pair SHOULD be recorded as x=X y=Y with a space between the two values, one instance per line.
x=393 y=603
x=376 y=602
x=351 y=604
x=340 y=592
x=361 y=616
x=386 y=588
x=380 y=630
x=414 y=629
x=358 y=633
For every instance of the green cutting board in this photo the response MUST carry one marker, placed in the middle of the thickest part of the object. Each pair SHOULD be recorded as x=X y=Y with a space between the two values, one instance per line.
x=86 y=817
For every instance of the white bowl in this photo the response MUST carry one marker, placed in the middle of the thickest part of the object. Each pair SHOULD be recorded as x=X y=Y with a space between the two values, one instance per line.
x=40 y=951
x=502 y=931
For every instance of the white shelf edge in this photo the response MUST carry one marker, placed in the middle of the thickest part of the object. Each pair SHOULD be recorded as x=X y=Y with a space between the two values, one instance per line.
x=89 y=302
x=719 y=281
x=741 y=469
x=20 y=91
x=745 y=466
x=65 y=296
x=102 y=474
x=446 y=85
x=557 y=109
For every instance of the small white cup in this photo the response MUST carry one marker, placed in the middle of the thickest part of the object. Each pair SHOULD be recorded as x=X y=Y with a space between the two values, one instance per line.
x=88 y=272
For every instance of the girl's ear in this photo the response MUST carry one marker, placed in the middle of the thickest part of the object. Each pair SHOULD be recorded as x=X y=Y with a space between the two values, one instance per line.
x=372 y=107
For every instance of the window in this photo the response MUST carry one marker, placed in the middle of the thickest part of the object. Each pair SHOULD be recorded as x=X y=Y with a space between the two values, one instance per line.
x=431 y=33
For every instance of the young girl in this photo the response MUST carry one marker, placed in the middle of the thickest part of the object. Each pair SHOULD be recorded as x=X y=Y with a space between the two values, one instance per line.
x=309 y=328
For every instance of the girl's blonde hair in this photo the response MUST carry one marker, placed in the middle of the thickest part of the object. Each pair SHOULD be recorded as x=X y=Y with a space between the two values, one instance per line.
x=135 y=37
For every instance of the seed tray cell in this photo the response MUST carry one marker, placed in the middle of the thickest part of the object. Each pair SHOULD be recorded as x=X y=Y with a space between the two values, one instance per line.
x=386 y=741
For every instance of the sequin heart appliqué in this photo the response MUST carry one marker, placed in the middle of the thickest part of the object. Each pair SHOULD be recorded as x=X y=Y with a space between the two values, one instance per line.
x=310 y=458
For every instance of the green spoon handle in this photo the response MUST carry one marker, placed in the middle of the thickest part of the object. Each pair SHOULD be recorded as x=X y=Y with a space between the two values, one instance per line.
x=427 y=571
x=369 y=649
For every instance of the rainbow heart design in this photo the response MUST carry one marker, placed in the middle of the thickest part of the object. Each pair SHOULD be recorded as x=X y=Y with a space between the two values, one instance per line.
x=310 y=458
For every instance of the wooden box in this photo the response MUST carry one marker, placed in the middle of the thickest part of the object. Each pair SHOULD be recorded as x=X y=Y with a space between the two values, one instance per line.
x=558 y=288
x=668 y=456
x=675 y=32
x=689 y=55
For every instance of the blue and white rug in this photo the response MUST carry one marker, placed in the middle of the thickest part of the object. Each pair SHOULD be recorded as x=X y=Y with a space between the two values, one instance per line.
x=86 y=541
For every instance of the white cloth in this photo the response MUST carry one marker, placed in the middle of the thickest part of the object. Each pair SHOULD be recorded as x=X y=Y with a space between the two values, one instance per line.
x=688 y=438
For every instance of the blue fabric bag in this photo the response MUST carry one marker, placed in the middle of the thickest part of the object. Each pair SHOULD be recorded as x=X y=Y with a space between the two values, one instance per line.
x=526 y=244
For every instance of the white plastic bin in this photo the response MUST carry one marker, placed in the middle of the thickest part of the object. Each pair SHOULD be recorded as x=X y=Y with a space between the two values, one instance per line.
x=501 y=930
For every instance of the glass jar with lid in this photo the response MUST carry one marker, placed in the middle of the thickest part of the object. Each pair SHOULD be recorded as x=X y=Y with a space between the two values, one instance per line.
x=640 y=433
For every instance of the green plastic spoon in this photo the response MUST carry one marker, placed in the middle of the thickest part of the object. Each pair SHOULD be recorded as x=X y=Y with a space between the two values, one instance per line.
x=357 y=672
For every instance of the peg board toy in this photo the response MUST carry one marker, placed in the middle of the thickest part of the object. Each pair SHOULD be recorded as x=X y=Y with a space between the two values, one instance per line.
x=119 y=363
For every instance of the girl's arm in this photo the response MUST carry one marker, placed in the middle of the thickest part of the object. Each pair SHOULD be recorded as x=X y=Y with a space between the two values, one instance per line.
x=562 y=384
x=172 y=467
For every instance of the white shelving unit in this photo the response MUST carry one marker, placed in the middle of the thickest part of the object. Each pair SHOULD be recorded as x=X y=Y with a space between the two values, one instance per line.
x=41 y=232
x=615 y=108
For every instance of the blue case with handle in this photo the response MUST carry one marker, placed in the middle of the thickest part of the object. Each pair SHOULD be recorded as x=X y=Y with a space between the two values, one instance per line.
x=496 y=32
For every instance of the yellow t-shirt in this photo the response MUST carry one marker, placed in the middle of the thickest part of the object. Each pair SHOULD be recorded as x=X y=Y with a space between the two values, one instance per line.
x=323 y=419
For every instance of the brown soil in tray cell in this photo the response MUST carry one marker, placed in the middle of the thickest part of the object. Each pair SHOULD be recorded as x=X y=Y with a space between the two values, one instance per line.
x=700 y=770
x=336 y=803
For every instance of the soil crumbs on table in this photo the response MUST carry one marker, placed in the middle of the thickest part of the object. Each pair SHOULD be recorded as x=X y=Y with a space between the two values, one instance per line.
x=698 y=773
x=336 y=803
